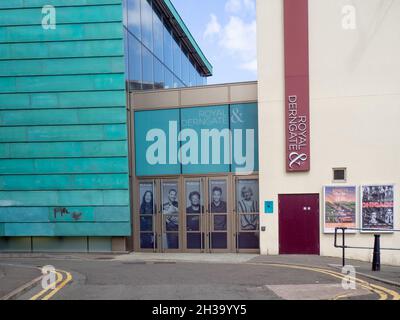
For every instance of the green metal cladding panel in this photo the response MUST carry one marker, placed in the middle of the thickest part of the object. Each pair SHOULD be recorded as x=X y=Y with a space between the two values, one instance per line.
x=63 y=122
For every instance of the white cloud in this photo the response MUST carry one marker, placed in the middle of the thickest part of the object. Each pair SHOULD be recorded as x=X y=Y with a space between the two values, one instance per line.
x=240 y=6
x=250 y=66
x=233 y=6
x=240 y=40
x=238 y=37
x=249 y=5
x=213 y=27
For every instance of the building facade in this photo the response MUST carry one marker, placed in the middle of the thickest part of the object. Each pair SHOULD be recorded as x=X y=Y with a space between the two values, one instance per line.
x=346 y=52
x=159 y=49
x=195 y=169
x=64 y=74
x=272 y=166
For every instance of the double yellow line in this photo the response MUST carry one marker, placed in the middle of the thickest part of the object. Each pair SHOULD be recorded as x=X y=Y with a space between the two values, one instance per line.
x=62 y=279
x=382 y=292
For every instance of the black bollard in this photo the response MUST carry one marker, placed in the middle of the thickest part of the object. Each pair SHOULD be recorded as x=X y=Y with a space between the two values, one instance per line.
x=376 y=261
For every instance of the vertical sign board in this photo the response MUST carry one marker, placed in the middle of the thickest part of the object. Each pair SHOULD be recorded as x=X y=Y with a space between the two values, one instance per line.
x=297 y=112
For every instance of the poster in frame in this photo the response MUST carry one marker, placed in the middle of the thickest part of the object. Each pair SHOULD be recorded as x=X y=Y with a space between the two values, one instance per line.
x=377 y=209
x=340 y=208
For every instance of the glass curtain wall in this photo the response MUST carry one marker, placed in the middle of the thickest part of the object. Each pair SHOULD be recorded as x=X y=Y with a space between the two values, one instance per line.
x=156 y=57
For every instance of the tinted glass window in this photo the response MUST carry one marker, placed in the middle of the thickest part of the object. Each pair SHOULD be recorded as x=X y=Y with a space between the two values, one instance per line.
x=158 y=74
x=163 y=61
x=148 y=77
x=158 y=35
x=177 y=57
x=192 y=75
x=178 y=83
x=185 y=69
x=133 y=17
x=135 y=63
x=147 y=24
x=169 y=79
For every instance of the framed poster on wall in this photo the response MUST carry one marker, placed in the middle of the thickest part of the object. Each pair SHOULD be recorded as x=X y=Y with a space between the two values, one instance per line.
x=340 y=208
x=377 y=208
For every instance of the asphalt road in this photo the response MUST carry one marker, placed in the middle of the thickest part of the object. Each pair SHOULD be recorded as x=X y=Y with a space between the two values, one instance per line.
x=88 y=279
x=14 y=275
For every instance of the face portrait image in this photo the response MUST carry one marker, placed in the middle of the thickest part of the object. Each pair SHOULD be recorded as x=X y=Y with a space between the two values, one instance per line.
x=218 y=196
x=146 y=196
x=247 y=195
x=170 y=197
x=247 y=204
x=194 y=199
x=389 y=217
x=373 y=220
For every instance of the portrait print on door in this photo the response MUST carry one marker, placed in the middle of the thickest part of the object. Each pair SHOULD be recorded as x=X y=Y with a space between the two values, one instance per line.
x=146 y=195
x=170 y=198
x=218 y=204
x=194 y=200
x=146 y=215
x=247 y=204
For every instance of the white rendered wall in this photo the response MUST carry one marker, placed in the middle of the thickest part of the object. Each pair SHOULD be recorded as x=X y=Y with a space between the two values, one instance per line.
x=354 y=105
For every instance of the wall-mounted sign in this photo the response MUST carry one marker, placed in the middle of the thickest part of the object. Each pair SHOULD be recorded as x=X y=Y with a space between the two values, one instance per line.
x=198 y=140
x=340 y=208
x=269 y=207
x=377 y=208
x=297 y=112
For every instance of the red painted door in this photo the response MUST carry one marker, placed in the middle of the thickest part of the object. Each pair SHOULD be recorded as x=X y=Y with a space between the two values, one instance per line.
x=299 y=224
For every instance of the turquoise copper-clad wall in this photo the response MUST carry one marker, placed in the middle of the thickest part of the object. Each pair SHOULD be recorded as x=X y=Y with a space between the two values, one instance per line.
x=63 y=123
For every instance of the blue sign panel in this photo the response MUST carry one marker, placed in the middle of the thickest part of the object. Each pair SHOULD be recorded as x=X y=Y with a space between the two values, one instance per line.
x=198 y=140
x=244 y=126
x=206 y=140
x=269 y=207
x=156 y=142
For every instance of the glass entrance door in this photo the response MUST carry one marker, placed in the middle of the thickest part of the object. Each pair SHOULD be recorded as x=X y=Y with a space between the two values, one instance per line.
x=170 y=204
x=207 y=215
x=197 y=214
x=195 y=223
x=145 y=217
x=219 y=215
x=247 y=214
x=157 y=218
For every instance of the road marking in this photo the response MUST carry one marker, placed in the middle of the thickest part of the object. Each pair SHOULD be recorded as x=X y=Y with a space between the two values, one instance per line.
x=341 y=296
x=58 y=280
x=62 y=285
x=61 y=282
x=382 y=292
x=394 y=294
x=22 y=288
x=362 y=283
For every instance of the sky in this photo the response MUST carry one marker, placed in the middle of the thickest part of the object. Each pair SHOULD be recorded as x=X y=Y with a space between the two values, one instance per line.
x=226 y=32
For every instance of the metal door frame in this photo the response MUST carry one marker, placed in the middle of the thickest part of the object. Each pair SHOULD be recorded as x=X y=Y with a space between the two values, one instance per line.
x=203 y=217
x=206 y=223
x=229 y=214
x=237 y=230
x=136 y=216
